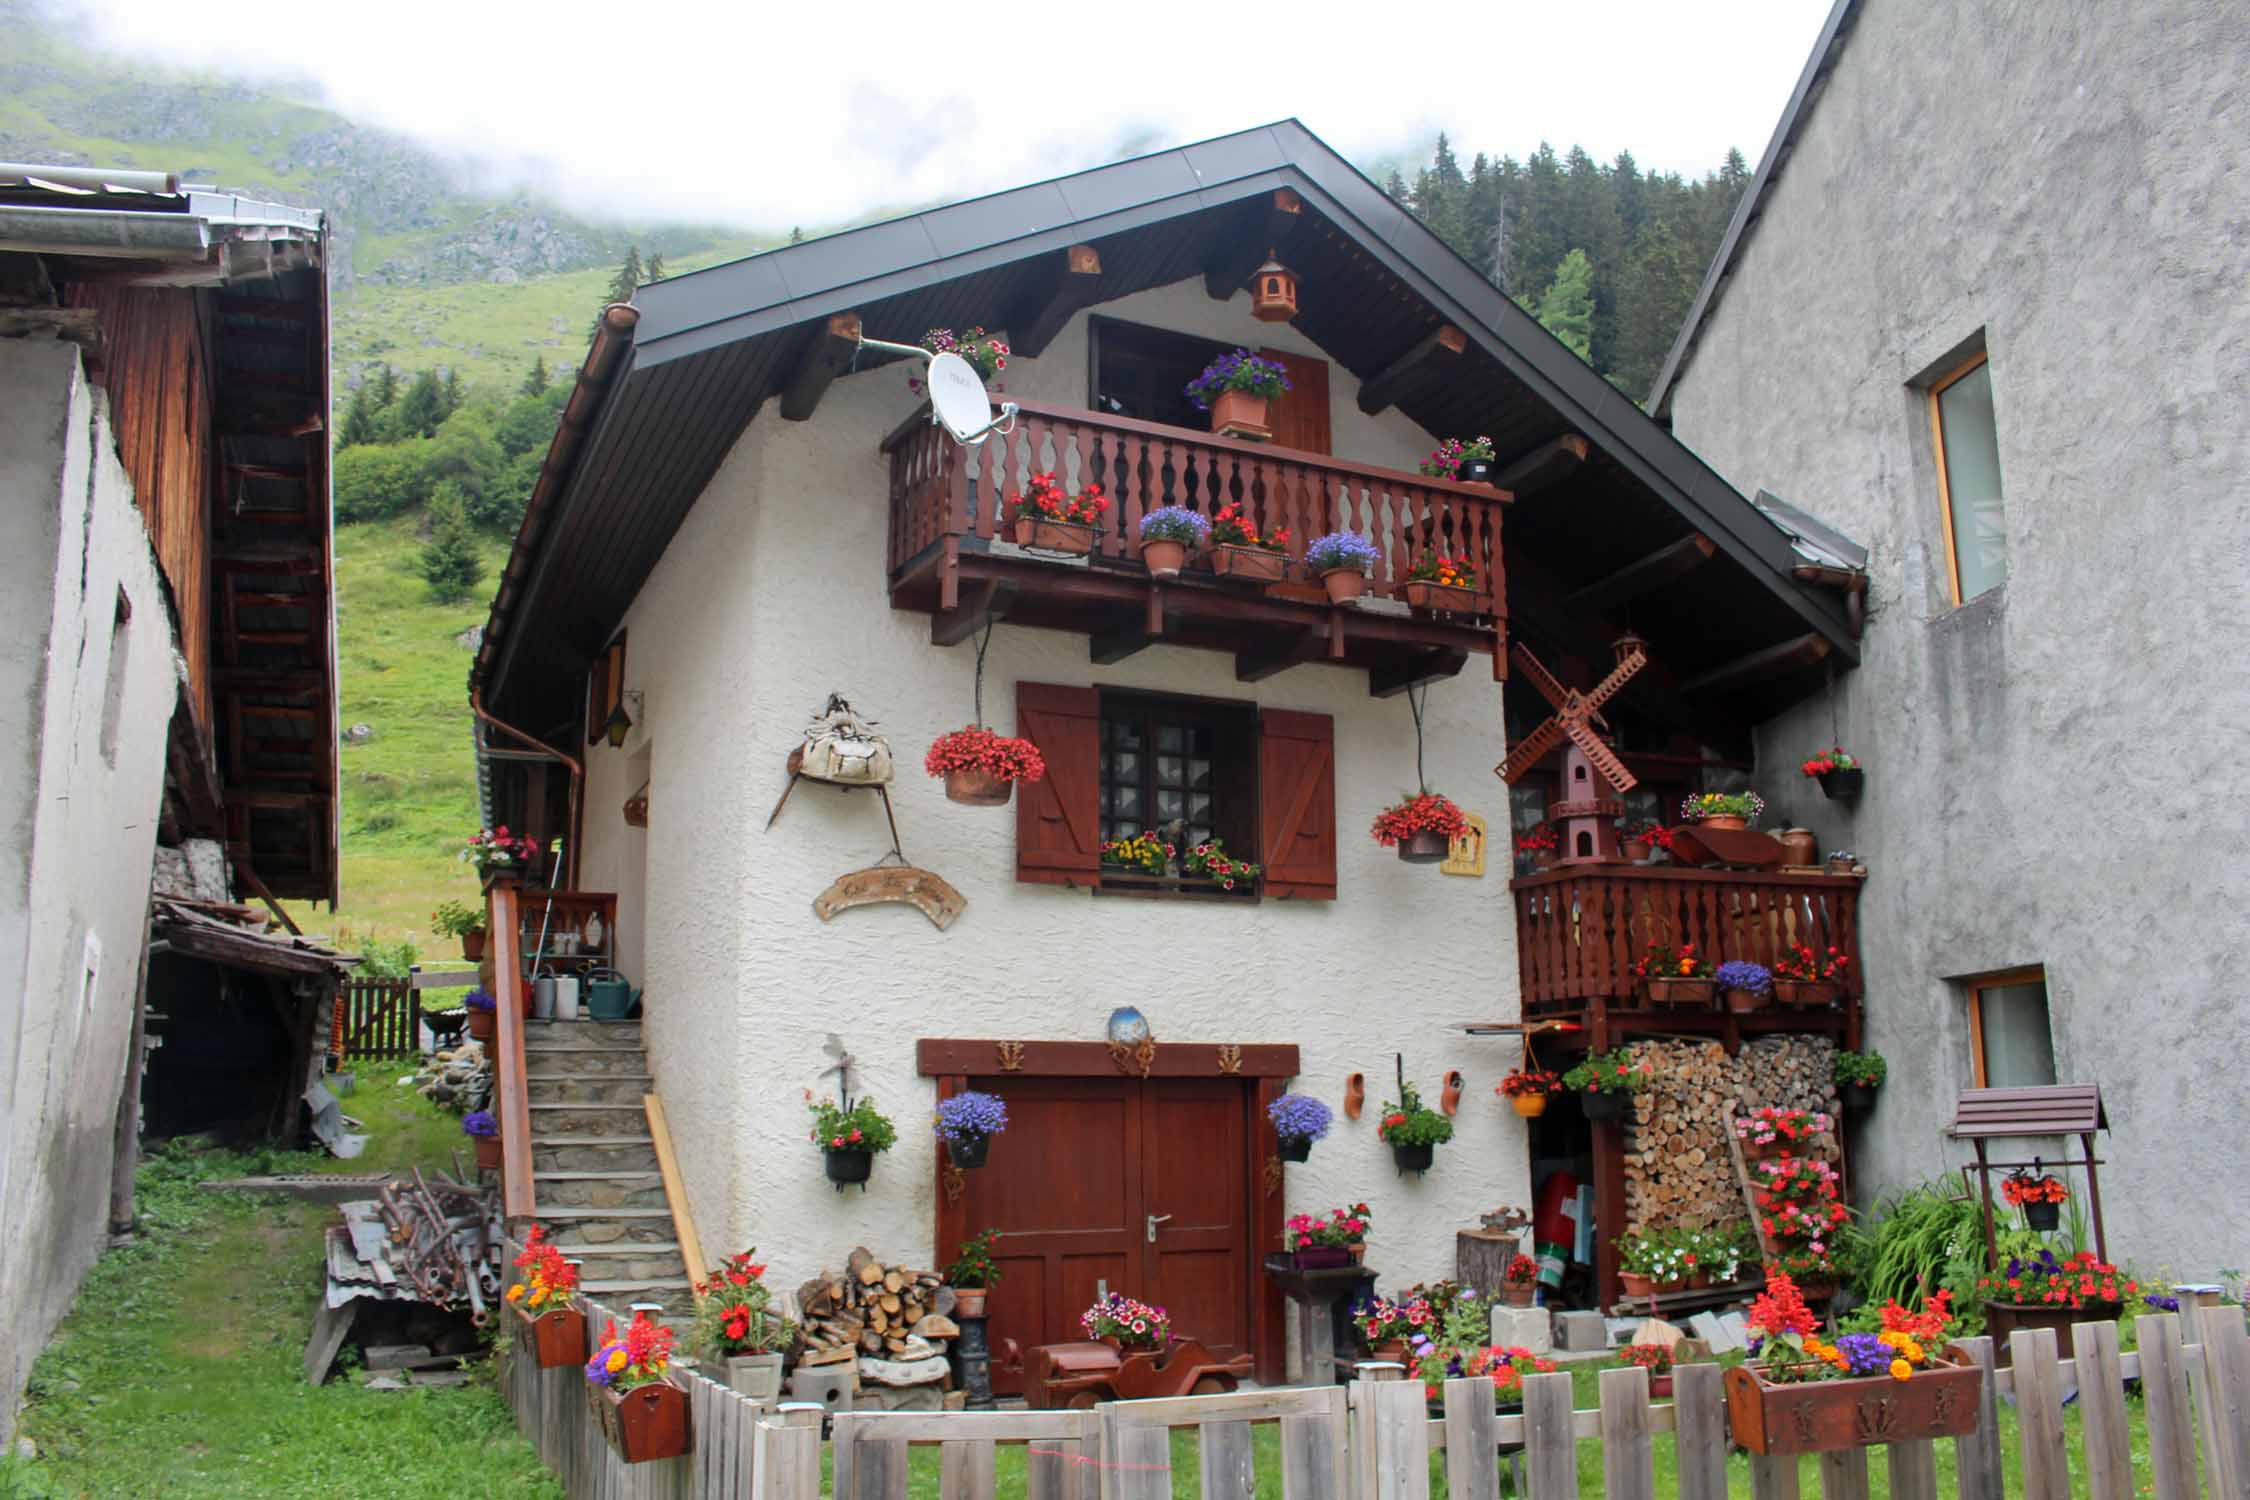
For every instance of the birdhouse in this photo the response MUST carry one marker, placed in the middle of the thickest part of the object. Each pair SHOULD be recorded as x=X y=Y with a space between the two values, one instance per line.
x=1273 y=291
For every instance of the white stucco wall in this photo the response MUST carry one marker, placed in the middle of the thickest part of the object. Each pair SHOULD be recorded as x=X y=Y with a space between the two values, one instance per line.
x=771 y=596
x=77 y=826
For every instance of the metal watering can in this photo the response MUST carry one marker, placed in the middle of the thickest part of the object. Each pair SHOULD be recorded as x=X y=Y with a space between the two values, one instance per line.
x=609 y=997
x=543 y=994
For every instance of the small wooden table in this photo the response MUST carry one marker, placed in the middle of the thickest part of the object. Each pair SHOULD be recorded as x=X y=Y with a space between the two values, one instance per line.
x=1315 y=1294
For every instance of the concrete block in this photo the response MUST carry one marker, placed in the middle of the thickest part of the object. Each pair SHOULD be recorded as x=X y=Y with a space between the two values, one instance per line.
x=1530 y=1328
x=1578 y=1332
x=832 y=1386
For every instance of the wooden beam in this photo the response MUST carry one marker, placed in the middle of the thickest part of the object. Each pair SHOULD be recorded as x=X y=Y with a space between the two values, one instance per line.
x=1430 y=666
x=675 y=1190
x=1265 y=662
x=1646 y=574
x=986 y=601
x=1432 y=359
x=830 y=355
x=1549 y=463
x=1073 y=282
x=1243 y=245
x=1113 y=646
x=1772 y=661
x=240 y=857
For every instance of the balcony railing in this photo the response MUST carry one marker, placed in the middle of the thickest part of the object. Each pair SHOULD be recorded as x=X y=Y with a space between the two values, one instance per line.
x=1579 y=930
x=940 y=488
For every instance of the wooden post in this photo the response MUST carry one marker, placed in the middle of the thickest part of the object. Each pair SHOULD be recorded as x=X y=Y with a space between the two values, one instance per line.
x=1984 y=1193
x=1401 y=1447
x=2046 y=1465
x=2164 y=1393
x=1843 y=1474
x=2094 y=1196
x=125 y=1143
x=2226 y=1402
x=1472 y=1446
x=1913 y=1468
x=1628 y=1452
x=1699 y=1414
x=1976 y=1457
x=1550 y=1436
x=1773 y=1478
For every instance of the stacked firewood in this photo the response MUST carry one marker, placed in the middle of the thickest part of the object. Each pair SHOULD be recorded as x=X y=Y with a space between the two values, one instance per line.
x=1679 y=1173
x=875 y=1311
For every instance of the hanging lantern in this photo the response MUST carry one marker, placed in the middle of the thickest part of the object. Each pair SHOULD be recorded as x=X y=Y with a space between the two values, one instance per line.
x=1273 y=291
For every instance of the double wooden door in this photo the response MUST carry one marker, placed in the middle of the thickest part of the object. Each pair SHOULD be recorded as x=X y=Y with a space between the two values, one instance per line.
x=1142 y=1187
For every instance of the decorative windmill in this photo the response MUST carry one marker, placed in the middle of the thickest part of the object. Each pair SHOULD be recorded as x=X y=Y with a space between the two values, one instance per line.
x=1586 y=818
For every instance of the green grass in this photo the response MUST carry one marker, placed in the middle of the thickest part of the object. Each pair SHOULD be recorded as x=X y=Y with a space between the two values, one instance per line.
x=178 y=1373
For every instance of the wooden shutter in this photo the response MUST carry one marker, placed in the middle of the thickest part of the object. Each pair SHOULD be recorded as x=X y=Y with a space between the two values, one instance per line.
x=605 y=688
x=1058 y=818
x=1297 y=803
x=1300 y=418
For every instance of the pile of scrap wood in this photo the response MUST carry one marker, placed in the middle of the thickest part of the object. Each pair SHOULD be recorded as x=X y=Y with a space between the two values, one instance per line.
x=893 y=1324
x=421 y=1254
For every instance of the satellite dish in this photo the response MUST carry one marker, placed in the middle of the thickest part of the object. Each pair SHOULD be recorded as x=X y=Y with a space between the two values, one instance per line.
x=959 y=398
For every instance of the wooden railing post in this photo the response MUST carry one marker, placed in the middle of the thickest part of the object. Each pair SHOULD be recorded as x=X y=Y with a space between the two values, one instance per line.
x=1976 y=1458
x=508 y=1066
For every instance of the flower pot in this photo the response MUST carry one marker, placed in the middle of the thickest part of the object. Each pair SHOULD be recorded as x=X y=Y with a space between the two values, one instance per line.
x=1636 y=850
x=1240 y=414
x=1296 y=1148
x=2042 y=1216
x=1635 y=1284
x=1250 y=564
x=1393 y=1350
x=1824 y=1416
x=1859 y=1097
x=483 y=1024
x=1723 y=821
x=1843 y=784
x=969 y=1152
x=2004 y=1318
x=1799 y=846
x=1415 y=1159
x=968 y=1301
x=1545 y=859
x=1530 y=1106
x=1474 y=471
x=1072 y=538
x=488 y=1153
x=472 y=945
x=1321 y=1257
x=1745 y=1002
x=646 y=1423
x=1357 y=1252
x=757 y=1376
x=1424 y=848
x=1806 y=994
x=847 y=1165
x=1697 y=992
x=557 y=1338
x=1840 y=867
x=1343 y=584
x=1162 y=556
x=1599 y=1104
x=977 y=788
x=1423 y=594
x=1659 y=1386
x=1518 y=1296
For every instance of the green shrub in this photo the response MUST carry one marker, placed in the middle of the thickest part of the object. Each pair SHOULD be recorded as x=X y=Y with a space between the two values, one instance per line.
x=1921 y=1240
x=375 y=481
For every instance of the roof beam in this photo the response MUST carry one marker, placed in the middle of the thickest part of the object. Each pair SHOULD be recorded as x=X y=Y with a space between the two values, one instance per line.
x=1429 y=666
x=1074 y=281
x=1548 y=464
x=1271 y=661
x=830 y=355
x=1646 y=574
x=1772 y=661
x=1247 y=240
x=1432 y=359
x=987 y=604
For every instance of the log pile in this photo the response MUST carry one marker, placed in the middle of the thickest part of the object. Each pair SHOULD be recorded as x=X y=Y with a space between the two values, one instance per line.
x=890 y=1323
x=1679 y=1173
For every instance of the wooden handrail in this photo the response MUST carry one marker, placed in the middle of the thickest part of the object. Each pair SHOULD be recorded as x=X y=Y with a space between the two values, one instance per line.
x=675 y=1191
x=510 y=1094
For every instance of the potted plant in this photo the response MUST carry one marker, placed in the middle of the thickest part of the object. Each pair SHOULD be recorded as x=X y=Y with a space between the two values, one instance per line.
x=1298 y=1121
x=458 y=919
x=642 y=1413
x=1141 y=854
x=848 y=1138
x=1520 y=1282
x=1842 y=862
x=1341 y=560
x=1167 y=534
x=1438 y=581
x=1046 y=519
x=2045 y=1290
x=981 y=767
x=1319 y=1243
x=1675 y=976
x=1804 y=978
x=1421 y=827
x=1723 y=809
x=1858 y=1075
x=973 y=1274
x=545 y=1315
x=1385 y=1324
x=1638 y=839
x=2039 y=1194
x=1604 y=1082
x=1234 y=389
x=986 y=355
x=1210 y=861
x=1527 y=1089
x=484 y=1018
x=1541 y=845
x=1127 y=1325
x=1654 y=1358
x=1461 y=1353
x=967 y=1123
x=1413 y=1131
x=480 y=1126
x=1838 y=774
x=1237 y=551
x=735 y=1323
x=1801 y=1211
x=1639 y=1255
x=1471 y=463
x=1776 y=1131
x=1747 y=986
x=1807 y=1394
x=502 y=858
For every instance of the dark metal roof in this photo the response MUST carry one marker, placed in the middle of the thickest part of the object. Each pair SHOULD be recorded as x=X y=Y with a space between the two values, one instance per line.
x=709 y=347
x=1826 y=50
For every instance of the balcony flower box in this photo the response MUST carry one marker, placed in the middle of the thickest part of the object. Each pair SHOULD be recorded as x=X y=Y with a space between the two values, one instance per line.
x=1250 y=564
x=1439 y=597
x=1679 y=992
x=1824 y=1416
x=1071 y=538
x=1807 y=994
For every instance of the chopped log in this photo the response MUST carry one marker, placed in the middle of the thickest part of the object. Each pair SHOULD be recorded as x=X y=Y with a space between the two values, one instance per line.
x=937 y=1326
x=837 y=1356
x=870 y=1274
x=890 y=1302
x=893 y=1282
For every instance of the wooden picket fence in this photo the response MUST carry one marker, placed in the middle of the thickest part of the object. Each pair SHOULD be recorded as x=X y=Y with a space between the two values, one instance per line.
x=379 y=1018
x=1374 y=1440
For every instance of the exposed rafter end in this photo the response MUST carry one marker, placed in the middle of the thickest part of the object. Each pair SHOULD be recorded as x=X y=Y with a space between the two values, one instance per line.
x=830 y=355
x=1643 y=575
x=1549 y=463
x=1075 y=283
x=1273 y=660
x=1430 y=666
x=1772 y=661
x=988 y=603
x=1432 y=359
x=1264 y=224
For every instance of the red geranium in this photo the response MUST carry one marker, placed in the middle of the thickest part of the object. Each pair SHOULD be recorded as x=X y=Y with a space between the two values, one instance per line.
x=979 y=749
x=1431 y=812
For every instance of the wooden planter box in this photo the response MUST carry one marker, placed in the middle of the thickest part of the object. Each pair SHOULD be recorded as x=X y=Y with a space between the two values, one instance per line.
x=2004 y=1318
x=1696 y=992
x=1824 y=1416
x=1250 y=564
x=556 y=1338
x=1073 y=538
x=646 y=1423
x=1807 y=994
x=1422 y=594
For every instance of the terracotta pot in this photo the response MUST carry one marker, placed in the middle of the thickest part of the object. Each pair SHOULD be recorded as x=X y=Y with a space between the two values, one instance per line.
x=646 y=1423
x=1424 y=848
x=1545 y=859
x=1393 y=1350
x=1422 y=594
x=1296 y=1148
x=1800 y=847
x=977 y=788
x=1162 y=557
x=1251 y=564
x=1636 y=850
x=1073 y=538
x=1807 y=994
x=1723 y=821
x=1635 y=1284
x=1699 y=1282
x=1530 y=1106
x=488 y=1153
x=1240 y=414
x=1844 y=784
x=1825 y=1416
x=484 y=1025
x=472 y=945
x=1518 y=1296
x=557 y=1338
x=1745 y=1002
x=968 y=1301
x=1357 y=1252
x=1690 y=992
x=1344 y=584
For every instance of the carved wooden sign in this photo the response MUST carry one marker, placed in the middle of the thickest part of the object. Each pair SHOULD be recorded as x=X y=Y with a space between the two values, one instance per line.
x=925 y=891
x=1465 y=855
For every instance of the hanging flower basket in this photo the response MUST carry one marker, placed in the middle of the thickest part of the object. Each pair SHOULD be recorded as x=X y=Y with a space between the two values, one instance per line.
x=1415 y=1159
x=846 y=1166
x=967 y=1122
x=1530 y=1106
x=1297 y=1148
x=1421 y=827
x=977 y=788
x=981 y=767
x=1298 y=1120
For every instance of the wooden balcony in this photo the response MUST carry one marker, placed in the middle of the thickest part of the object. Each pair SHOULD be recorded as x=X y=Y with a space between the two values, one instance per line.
x=948 y=559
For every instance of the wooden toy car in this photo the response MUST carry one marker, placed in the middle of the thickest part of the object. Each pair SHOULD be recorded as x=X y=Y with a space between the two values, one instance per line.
x=1088 y=1373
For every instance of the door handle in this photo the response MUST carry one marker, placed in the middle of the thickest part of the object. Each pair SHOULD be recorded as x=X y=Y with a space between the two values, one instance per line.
x=1153 y=1221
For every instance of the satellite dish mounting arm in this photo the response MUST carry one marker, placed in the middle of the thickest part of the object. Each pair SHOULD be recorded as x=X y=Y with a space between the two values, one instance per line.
x=961 y=405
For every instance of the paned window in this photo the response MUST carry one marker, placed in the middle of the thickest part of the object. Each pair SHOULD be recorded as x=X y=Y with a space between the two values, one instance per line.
x=1967 y=436
x=2011 y=1043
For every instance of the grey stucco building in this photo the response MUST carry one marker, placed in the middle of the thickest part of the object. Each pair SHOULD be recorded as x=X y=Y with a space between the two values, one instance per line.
x=1986 y=309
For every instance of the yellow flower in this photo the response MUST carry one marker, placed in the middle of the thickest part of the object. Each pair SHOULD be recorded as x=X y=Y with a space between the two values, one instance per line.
x=1914 y=1351
x=616 y=1360
x=1900 y=1369
x=515 y=1293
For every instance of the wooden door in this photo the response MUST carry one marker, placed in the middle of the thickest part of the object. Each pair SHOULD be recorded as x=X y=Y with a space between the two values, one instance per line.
x=1300 y=418
x=1195 y=1188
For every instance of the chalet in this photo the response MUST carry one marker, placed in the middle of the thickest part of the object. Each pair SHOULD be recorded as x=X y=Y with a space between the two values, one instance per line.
x=746 y=509
x=169 y=669
x=2036 y=430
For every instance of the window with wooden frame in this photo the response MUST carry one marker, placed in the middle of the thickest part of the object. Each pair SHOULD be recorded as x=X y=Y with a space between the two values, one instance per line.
x=1262 y=781
x=1965 y=435
x=1143 y=372
x=605 y=688
x=2011 y=1042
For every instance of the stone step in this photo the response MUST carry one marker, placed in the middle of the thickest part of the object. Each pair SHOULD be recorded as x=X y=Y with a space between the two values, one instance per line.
x=673 y=1294
x=589 y=1088
x=598 y=1189
x=632 y=1260
x=606 y=1226
x=590 y=1033
x=593 y=1153
x=608 y=1120
x=554 y=1062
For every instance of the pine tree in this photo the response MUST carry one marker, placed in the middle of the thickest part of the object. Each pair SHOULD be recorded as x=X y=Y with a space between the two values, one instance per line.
x=629 y=276
x=1395 y=189
x=1567 y=311
x=536 y=378
x=359 y=420
x=386 y=389
x=449 y=563
x=419 y=411
x=450 y=396
x=796 y=236
x=655 y=270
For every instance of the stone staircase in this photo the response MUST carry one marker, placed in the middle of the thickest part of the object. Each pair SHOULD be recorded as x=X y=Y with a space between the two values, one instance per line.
x=594 y=1177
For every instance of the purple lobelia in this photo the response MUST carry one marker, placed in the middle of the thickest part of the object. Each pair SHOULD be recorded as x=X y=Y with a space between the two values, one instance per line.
x=971 y=1117
x=1736 y=974
x=1299 y=1117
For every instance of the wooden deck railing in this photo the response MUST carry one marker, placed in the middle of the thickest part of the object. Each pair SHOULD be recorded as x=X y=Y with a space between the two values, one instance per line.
x=941 y=488
x=511 y=1097
x=1580 y=929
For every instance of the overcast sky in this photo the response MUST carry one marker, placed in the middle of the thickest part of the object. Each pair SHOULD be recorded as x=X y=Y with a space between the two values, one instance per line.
x=769 y=115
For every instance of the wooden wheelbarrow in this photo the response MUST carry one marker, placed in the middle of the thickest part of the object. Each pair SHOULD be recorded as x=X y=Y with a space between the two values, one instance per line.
x=1087 y=1373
